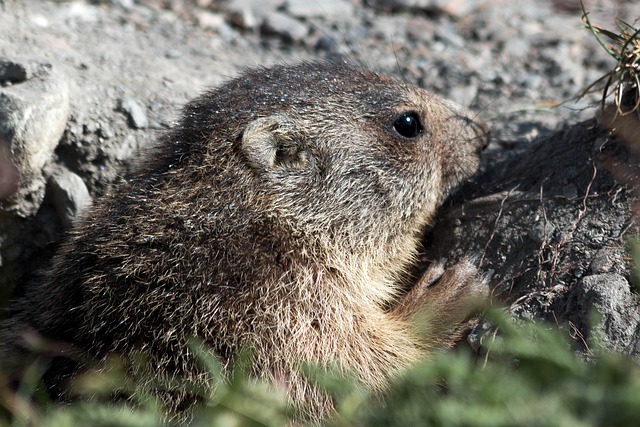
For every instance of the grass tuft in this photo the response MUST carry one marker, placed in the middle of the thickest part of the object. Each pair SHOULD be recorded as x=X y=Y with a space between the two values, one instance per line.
x=623 y=81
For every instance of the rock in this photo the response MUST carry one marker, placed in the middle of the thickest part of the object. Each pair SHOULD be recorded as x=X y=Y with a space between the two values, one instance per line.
x=33 y=116
x=209 y=20
x=602 y=262
x=610 y=296
x=455 y=8
x=448 y=34
x=69 y=195
x=245 y=18
x=249 y=14
x=463 y=95
x=403 y=4
x=542 y=232
x=82 y=12
x=12 y=72
x=135 y=113
x=287 y=27
x=312 y=9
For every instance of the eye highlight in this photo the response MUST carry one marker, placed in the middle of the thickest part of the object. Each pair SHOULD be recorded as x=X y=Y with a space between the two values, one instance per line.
x=408 y=125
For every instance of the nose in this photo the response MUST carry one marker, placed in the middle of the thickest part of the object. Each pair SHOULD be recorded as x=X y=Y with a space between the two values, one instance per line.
x=482 y=131
x=472 y=129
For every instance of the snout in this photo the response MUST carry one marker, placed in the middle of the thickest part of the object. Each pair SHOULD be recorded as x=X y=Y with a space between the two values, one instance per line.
x=472 y=129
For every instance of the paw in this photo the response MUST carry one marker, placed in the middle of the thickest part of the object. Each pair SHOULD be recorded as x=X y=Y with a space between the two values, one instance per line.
x=461 y=281
x=445 y=299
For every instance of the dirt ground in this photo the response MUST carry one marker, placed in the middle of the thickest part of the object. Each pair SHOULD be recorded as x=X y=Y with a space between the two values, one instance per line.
x=85 y=86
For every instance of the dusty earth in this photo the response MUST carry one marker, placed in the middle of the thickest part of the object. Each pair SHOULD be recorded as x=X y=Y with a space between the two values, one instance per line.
x=85 y=86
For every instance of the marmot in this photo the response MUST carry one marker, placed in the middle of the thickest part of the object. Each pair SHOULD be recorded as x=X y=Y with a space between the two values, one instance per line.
x=282 y=214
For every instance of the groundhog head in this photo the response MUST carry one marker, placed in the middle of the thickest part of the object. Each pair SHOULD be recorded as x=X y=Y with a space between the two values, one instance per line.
x=340 y=158
x=340 y=155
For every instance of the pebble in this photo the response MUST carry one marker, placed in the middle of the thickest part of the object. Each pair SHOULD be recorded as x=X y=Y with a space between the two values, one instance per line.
x=69 y=195
x=135 y=113
x=448 y=34
x=311 y=9
x=602 y=262
x=542 y=232
x=250 y=14
x=209 y=20
x=287 y=27
x=610 y=295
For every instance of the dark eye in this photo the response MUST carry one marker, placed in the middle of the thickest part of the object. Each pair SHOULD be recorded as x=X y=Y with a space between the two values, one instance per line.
x=408 y=125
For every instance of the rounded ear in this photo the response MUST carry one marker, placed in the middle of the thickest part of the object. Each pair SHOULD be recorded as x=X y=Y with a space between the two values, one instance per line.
x=273 y=142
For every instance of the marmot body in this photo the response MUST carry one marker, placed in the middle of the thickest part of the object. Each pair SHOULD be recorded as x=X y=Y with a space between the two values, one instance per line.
x=281 y=214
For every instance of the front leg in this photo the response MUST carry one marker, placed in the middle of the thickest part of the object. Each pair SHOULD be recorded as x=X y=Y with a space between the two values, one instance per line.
x=443 y=299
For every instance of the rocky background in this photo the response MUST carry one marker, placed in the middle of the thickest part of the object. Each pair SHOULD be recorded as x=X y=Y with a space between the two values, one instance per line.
x=86 y=85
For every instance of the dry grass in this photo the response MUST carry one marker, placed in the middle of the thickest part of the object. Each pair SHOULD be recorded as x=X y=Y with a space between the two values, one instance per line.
x=623 y=81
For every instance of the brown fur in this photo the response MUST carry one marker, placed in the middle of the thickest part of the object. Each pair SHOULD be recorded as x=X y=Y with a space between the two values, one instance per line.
x=282 y=214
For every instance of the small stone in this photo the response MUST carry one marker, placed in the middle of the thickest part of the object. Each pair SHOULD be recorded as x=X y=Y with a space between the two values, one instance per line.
x=611 y=296
x=542 y=232
x=209 y=20
x=69 y=195
x=82 y=12
x=104 y=131
x=454 y=8
x=173 y=53
x=39 y=20
x=245 y=18
x=463 y=95
x=313 y=9
x=448 y=34
x=403 y=4
x=570 y=191
x=602 y=262
x=249 y=14
x=517 y=48
x=125 y=4
x=420 y=29
x=285 y=26
x=135 y=113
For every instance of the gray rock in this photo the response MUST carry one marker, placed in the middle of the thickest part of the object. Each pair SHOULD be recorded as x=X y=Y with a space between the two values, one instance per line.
x=610 y=296
x=312 y=9
x=285 y=26
x=602 y=262
x=209 y=20
x=12 y=72
x=33 y=116
x=403 y=4
x=542 y=232
x=69 y=195
x=448 y=34
x=245 y=18
x=463 y=95
x=249 y=14
x=135 y=113
x=455 y=8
